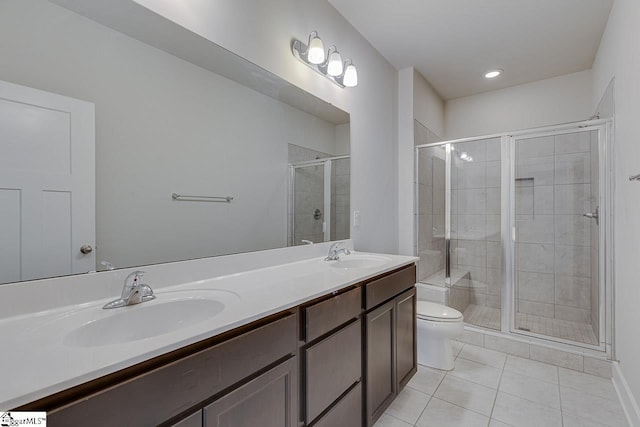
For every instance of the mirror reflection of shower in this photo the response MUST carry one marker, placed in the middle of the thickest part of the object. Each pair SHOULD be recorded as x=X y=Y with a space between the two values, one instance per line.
x=319 y=196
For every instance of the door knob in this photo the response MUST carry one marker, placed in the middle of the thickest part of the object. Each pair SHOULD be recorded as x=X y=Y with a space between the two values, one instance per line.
x=86 y=249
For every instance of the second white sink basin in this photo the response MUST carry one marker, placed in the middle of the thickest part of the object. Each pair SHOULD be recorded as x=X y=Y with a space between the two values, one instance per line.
x=146 y=320
x=359 y=261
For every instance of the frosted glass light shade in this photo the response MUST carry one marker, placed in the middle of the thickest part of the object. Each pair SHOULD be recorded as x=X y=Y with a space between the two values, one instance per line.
x=350 y=78
x=315 y=54
x=335 y=68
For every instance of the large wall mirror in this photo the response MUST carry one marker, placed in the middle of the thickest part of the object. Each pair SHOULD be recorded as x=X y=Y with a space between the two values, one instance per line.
x=268 y=162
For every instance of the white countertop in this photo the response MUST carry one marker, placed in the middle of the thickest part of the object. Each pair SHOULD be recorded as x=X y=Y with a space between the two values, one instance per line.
x=38 y=360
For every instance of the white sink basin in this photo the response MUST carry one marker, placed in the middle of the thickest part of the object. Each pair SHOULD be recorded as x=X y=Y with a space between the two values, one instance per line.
x=145 y=320
x=359 y=261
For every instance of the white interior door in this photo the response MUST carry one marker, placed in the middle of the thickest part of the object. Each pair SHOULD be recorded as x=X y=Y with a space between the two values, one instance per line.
x=47 y=183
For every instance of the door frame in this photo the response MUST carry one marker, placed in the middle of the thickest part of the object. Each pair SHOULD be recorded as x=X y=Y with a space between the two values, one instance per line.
x=604 y=195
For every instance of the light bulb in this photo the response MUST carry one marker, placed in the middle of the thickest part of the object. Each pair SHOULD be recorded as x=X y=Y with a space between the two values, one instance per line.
x=315 y=54
x=350 y=78
x=334 y=68
x=492 y=74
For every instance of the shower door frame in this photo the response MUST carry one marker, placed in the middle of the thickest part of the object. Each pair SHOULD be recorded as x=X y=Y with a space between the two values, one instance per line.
x=327 y=164
x=605 y=169
x=605 y=230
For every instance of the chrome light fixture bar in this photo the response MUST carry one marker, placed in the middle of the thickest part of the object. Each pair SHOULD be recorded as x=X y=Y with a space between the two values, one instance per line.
x=331 y=65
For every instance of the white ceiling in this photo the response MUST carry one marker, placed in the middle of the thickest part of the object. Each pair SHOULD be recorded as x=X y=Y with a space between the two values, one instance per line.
x=452 y=43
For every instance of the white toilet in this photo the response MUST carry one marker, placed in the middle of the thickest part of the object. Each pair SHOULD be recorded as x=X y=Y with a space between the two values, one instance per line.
x=437 y=325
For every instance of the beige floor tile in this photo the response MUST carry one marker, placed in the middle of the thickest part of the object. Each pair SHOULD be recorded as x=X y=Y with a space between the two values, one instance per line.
x=483 y=355
x=440 y=414
x=593 y=408
x=466 y=394
x=477 y=372
x=528 y=388
x=598 y=386
x=571 y=420
x=524 y=413
x=408 y=405
x=426 y=380
x=532 y=368
x=390 y=421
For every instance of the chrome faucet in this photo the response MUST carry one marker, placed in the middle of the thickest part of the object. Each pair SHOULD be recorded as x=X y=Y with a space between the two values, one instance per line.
x=334 y=252
x=133 y=292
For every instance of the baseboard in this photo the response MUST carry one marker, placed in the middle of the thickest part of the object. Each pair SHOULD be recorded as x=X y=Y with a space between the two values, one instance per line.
x=628 y=401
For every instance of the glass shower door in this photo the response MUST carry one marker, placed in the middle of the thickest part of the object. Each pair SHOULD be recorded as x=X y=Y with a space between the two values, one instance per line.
x=556 y=187
x=430 y=194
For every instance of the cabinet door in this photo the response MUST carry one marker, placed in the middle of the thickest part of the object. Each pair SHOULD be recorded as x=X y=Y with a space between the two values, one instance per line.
x=406 y=363
x=269 y=400
x=193 y=420
x=346 y=413
x=380 y=358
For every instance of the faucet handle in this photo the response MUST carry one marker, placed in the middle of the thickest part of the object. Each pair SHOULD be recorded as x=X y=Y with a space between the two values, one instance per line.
x=131 y=281
x=136 y=275
x=108 y=266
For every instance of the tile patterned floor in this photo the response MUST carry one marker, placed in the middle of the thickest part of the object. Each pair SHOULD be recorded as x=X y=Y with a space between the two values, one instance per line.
x=488 y=317
x=574 y=331
x=483 y=316
x=489 y=388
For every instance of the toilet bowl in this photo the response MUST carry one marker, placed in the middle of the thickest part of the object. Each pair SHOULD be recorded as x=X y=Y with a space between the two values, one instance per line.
x=437 y=325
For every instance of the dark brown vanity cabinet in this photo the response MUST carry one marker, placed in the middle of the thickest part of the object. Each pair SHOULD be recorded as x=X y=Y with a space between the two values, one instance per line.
x=246 y=380
x=390 y=330
x=264 y=401
x=331 y=365
x=336 y=361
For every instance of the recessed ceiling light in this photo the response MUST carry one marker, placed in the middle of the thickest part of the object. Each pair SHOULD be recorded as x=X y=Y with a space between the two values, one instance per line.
x=492 y=74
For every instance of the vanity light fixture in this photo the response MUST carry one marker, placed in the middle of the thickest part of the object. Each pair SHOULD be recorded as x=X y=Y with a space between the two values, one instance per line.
x=493 y=73
x=350 y=77
x=331 y=65
x=315 y=53
x=334 y=63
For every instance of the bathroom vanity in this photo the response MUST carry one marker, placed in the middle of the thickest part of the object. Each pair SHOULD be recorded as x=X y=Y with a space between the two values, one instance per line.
x=337 y=357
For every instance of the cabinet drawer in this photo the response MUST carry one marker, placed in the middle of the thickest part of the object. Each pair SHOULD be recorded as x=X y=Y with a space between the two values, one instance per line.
x=163 y=393
x=326 y=315
x=347 y=412
x=332 y=366
x=384 y=288
x=266 y=401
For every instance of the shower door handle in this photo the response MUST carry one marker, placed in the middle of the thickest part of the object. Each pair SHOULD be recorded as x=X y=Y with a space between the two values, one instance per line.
x=593 y=215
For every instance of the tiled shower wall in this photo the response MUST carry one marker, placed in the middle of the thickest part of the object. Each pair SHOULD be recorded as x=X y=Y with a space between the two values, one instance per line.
x=476 y=217
x=554 y=256
x=340 y=198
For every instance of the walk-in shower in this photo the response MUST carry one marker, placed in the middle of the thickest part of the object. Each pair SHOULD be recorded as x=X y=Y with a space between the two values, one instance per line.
x=319 y=200
x=513 y=226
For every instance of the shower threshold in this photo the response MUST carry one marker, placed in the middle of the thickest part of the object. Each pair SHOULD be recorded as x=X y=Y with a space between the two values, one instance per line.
x=487 y=317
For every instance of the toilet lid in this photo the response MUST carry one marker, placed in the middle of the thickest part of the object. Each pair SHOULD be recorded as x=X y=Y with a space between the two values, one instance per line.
x=431 y=311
